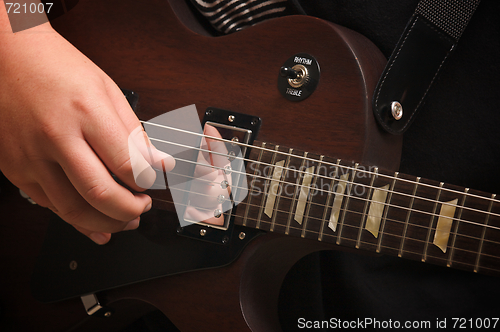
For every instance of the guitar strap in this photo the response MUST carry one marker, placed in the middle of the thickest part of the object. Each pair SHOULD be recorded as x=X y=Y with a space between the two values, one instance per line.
x=429 y=38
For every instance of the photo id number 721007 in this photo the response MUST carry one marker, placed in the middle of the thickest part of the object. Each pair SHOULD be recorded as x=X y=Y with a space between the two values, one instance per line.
x=32 y=8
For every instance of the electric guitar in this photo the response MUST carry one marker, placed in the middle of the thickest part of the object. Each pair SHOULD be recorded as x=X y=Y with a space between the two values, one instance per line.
x=321 y=174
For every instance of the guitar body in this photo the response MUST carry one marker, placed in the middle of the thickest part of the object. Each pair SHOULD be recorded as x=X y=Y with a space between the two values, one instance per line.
x=144 y=47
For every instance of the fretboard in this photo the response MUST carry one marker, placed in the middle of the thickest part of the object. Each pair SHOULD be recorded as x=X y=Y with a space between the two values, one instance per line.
x=316 y=197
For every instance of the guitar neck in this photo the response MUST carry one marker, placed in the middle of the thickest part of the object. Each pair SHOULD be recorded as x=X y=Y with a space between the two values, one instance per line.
x=316 y=197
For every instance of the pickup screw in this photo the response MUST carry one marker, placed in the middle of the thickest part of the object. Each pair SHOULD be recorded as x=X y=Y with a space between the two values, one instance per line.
x=396 y=110
x=231 y=118
x=242 y=236
x=203 y=232
x=107 y=314
x=225 y=240
x=217 y=213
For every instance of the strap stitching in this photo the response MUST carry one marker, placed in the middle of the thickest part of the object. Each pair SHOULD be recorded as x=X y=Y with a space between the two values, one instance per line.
x=390 y=68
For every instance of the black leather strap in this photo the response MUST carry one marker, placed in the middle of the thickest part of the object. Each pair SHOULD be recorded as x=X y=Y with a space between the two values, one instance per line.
x=429 y=38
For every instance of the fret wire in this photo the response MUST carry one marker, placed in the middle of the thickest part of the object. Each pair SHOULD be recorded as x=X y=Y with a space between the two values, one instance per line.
x=382 y=227
x=366 y=186
x=284 y=153
x=404 y=251
x=479 y=252
x=283 y=175
x=250 y=196
x=421 y=241
x=309 y=198
x=403 y=194
x=365 y=209
x=267 y=185
x=305 y=158
x=328 y=201
x=355 y=212
x=347 y=225
x=455 y=229
x=455 y=232
x=385 y=204
x=408 y=218
x=346 y=203
x=441 y=184
x=294 y=201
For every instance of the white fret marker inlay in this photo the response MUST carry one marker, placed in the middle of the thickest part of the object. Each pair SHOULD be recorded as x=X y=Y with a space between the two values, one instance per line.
x=376 y=209
x=304 y=192
x=444 y=224
x=337 y=202
x=273 y=188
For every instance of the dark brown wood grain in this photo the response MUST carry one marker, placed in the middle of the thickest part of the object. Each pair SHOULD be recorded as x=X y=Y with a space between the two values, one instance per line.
x=145 y=48
x=410 y=218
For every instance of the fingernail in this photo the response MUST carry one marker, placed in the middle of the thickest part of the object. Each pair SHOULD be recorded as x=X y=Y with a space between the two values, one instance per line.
x=98 y=238
x=132 y=224
x=147 y=208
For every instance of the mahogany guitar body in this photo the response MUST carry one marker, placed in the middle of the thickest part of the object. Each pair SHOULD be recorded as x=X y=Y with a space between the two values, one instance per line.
x=144 y=47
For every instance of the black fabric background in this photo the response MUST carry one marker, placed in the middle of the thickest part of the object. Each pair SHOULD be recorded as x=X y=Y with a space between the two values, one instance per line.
x=456 y=139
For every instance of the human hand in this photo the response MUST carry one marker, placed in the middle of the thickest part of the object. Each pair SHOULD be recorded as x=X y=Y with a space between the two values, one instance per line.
x=65 y=129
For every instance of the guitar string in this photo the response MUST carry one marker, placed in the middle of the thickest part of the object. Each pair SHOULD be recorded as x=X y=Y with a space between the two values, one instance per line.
x=333 y=236
x=347 y=182
x=348 y=168
x=345 y=210
x=465 y=194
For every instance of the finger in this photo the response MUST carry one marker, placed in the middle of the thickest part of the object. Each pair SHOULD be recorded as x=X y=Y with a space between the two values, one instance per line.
x=36 y=194
x=109 y=138
x=103 y=238
x=139 y=141
x=97 y=237
x=71 y=207
x=156 y=158
x=94 y=184
x=122 y=106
